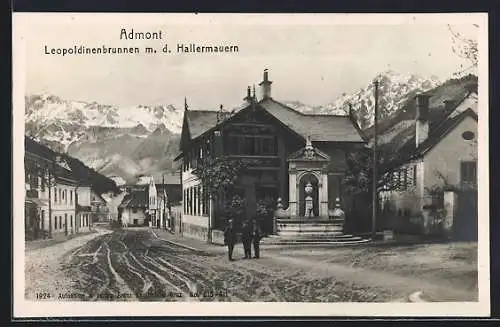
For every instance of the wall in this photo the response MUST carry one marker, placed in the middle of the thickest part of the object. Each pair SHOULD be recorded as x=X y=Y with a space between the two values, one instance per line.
x=445 y=157
x=128 y=215
x=409 y=200
x=84 y=195
x=63 y=210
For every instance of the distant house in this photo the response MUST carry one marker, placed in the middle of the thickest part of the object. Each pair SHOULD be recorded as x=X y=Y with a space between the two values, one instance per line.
x=133 y=209
x=99 y=208
x=164 y=190
x=83 y=208
x=433 y=142
x=50 y=199
x=153 y=203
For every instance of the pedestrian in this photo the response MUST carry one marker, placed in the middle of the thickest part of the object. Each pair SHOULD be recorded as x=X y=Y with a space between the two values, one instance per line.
x=230 y=238
x=256 y=237
x=246 y=238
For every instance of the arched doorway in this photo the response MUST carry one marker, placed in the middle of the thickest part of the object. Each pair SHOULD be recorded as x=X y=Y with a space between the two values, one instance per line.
x=308 y=178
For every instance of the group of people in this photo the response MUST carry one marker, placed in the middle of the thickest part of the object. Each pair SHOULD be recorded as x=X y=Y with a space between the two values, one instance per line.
x=251 y=234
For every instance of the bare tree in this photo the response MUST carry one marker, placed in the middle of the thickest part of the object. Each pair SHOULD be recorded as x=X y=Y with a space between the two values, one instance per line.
x=466 y=48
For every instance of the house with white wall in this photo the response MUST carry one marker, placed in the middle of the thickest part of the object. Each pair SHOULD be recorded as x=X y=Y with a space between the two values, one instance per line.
x=153 y=203
x=83 y=208
x=50 y=199
x=134 y=207
x=434 y=158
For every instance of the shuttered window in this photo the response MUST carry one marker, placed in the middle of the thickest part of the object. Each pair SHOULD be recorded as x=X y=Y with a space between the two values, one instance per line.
x=468 y=172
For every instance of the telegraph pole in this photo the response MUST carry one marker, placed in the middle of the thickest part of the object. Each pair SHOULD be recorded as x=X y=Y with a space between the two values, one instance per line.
x=374 y=163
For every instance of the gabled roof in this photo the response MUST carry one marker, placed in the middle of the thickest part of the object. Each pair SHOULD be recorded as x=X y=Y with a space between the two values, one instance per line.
x=321 y=128
x=134 y=199
x=99 y=196
x=199 y=121
x=439 y=133
x=398 y=142
x=60 y=170
x=31 y=146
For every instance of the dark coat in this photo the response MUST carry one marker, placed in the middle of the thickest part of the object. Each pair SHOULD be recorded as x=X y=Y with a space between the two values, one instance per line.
x=246 y=231
x=256 y=232
x=229 y=234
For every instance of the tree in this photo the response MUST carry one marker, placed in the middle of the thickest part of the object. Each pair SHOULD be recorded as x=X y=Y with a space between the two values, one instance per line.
x=465 y=48
x=359 y=175
x=218 y=175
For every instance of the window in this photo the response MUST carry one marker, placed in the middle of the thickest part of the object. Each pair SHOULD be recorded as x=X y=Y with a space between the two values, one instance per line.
x=42 y=184
x=468 y=135
x=199 y=201
x=55 y=194
x=60 y=221
x=71 y=197
x=190 y=201
x=60 y=192
x=184 y=202
x=468 y=172
x=71 y=220
x=195 y=196
x=252 y=145
x=249 y=145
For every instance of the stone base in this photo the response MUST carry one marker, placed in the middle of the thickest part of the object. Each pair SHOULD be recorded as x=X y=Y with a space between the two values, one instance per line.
x=201 y=233
x=317 y=230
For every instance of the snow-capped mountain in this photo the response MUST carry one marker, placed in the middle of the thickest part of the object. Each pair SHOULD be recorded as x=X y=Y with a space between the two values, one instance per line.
x=394 y=90
x=65 y=122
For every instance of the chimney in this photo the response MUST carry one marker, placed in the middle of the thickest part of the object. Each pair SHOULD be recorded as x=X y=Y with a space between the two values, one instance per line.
x=422 y=119
x=265 y=86
x=248 y=98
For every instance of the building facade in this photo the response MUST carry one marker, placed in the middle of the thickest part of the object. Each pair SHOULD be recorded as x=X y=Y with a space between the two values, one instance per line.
x=283 y=150
x=84 y=208
x=438 y=155
x=133 y=211
x=50 y=199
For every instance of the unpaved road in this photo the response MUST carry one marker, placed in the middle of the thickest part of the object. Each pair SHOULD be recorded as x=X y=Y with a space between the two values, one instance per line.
x=131 y=265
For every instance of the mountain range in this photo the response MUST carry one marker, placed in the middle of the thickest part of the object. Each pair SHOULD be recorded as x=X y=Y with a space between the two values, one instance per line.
x=124 y=143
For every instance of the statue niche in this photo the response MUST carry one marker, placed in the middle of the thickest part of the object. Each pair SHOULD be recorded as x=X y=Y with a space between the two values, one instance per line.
x=309 y=196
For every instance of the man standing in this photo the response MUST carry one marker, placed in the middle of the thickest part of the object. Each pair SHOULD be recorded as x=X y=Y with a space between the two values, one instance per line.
x=256 y=236
x=246 y=238
x=230 y=238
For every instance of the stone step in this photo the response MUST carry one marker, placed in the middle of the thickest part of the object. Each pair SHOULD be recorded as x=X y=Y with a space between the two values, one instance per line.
x=308 y=228
x=310 y=234
x=312 y=221
x=345 y=242
x=317 y=236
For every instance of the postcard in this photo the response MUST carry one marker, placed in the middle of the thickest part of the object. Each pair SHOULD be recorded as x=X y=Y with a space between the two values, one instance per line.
x=250 y=165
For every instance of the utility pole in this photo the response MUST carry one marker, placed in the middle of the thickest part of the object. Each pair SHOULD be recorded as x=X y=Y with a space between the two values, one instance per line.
x=374 y=163
x=163 y=222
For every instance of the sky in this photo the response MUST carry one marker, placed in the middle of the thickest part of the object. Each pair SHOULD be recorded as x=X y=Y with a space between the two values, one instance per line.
x=310 y=60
